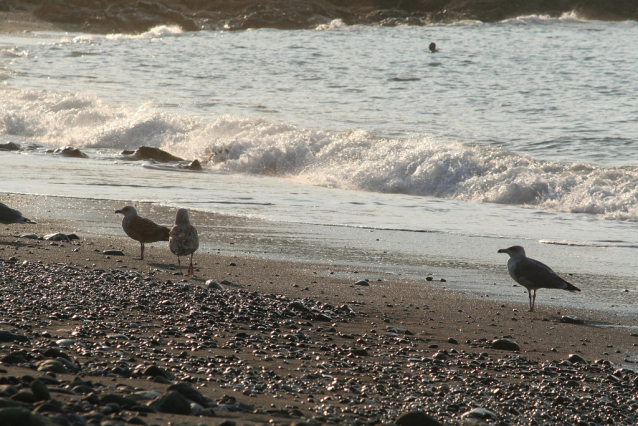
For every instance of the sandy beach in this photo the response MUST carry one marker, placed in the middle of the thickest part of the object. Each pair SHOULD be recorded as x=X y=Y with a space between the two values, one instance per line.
x=405 y=323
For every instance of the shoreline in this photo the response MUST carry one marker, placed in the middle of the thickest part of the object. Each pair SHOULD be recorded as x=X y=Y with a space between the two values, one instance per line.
x=138 y=17
x=392 y=324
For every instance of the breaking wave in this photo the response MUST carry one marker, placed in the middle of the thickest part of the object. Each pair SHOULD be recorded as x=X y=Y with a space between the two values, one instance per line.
x=357 y=160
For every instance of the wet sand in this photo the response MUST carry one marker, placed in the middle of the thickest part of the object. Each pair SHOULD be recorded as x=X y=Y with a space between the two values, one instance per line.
x=418 y=318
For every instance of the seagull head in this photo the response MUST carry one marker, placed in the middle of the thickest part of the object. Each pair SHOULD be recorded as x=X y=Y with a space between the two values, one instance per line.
x=514 y=251
x=127 y=211
x=182 y=217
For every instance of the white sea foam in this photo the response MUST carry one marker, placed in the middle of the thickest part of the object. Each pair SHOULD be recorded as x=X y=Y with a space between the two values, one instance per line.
x=350 y=160
x=155 y=32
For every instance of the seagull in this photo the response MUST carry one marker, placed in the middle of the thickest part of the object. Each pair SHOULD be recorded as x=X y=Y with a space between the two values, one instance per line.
x=184 y=239
x=142 y=229
x=533 y=274
x=9 y=215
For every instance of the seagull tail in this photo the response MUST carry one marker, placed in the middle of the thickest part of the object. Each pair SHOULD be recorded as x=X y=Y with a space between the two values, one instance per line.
x=570 y=287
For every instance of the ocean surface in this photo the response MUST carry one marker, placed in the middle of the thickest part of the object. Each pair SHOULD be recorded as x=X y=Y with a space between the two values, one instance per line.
x=358 y=142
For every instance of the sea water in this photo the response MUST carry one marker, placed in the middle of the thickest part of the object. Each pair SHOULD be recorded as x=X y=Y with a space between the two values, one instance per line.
x=357 y=139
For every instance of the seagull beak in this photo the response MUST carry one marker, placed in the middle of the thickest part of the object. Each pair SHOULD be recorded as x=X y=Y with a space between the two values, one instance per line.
x=118 y=211
x=502 y=251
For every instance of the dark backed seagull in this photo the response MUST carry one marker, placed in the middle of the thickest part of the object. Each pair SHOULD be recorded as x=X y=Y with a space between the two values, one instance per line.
x=184 y=239
x=142 y=229
x=9 y=215
x=533 y=274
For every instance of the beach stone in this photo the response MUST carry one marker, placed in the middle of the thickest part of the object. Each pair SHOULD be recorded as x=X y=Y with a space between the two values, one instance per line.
x=505 y=344
x=56 y=353
x=362 y=283
x=416 y=418
x=65 y=342
x=571 y=319
x=7 y=336
x=15 y=416
x=14 y=358
x=479 y=414
x=172 y=402
x=214 y=285
x=155 y=371
x=575 y=358
x=52 y=365
x=30 y=236
x=58 y=236
x=69 y=151
x=10 y=146
x=122 y=401
x=189 y=392
x=113 y=252
x=40 y=390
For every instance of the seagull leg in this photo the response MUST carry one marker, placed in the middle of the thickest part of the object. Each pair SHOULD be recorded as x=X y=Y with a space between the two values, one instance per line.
x=142 y=251
x=531 y=304
x=534 y=301
x=190 y=268
x=179 y=265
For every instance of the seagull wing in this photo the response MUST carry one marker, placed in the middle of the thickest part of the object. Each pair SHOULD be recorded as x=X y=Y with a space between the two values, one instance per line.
x=534 y=275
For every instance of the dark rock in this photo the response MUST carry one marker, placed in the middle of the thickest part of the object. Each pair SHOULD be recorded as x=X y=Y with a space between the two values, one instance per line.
x=480 y=414
x=52 y=365
x=214 y=285
x=362 y=283
x=25 y=396
x=69 y=151
x=574 y=358
x=453 y=341
x=7 y=336
x=15 y=416
x=155 y=371
x=189 y=392
x=155 y=154
x=14 y=358
x=571 y=319
x=505 y=344
x=40 y=390
x=10 y=146
x=194 y=165
x=416 y=418
x=122 y=401
x=172 y=402
x=55 y=353
x=113 y=252
x=61 y=237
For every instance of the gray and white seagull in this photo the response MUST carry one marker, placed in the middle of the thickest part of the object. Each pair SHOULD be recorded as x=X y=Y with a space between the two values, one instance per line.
x=533 y=274
x=9 y=215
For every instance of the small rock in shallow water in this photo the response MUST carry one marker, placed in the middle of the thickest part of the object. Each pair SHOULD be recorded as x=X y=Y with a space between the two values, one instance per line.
x=69 y=151
x=113 y=252
x=571 y=319
x=363 y=283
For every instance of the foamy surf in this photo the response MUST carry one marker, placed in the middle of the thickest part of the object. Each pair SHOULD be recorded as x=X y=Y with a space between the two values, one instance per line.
x=355 y=160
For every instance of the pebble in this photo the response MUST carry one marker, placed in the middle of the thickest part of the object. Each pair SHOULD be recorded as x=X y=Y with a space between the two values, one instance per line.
x=187 y=336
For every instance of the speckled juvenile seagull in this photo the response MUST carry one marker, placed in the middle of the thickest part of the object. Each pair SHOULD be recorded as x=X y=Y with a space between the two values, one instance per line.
x=533 y=274
x=9 y=215
x=142 y=229
x=184 y=239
